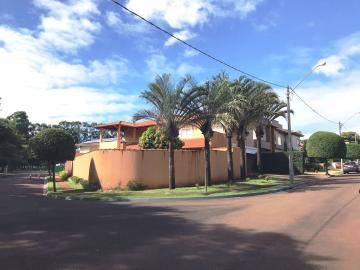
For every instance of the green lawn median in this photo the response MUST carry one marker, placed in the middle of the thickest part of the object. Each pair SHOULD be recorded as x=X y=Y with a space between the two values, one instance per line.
x=251 y=186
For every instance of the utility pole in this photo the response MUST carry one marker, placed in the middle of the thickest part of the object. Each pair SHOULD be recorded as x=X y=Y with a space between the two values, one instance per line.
x=289 y=141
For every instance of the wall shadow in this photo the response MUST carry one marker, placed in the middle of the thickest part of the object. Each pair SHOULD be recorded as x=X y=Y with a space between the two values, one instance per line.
x=58 y=234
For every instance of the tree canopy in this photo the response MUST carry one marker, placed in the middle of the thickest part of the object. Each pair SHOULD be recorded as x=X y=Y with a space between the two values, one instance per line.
x=326 y=145
x=10 y=144
x=53 y=145
x=353 y=151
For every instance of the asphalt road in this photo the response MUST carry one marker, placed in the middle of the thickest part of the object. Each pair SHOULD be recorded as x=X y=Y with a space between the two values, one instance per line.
x=315 y=227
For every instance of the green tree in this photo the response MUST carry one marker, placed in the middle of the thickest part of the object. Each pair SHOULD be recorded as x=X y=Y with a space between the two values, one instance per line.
x=229 y=122
x=245 y=115
x=172 y=108
x=10 y=144
x=21 y=123
x=155 y=138
x=353 y=151
x=211 y=102
x=53 y=145
x=267 y=108
x=326 y=145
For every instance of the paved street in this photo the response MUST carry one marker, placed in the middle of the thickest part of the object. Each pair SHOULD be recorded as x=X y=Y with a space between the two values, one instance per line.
x=315 y=227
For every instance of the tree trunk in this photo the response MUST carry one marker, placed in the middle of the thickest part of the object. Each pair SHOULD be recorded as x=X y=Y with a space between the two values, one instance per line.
x=207 y=162
x=53 y=177
x=229 y=160
x=241 y=144
x=258 y=151
x=326 y=167
x=171 y=165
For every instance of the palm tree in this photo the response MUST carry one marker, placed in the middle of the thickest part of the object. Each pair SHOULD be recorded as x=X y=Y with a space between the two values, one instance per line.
x=245 y=115
x=211 y=102
x=270 y=107
x=172 y=107
x=228 y=120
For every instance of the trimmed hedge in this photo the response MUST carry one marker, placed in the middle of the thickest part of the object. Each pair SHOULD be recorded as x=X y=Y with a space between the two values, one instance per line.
x=323 y=144
x=353 y=151
x=279 y=162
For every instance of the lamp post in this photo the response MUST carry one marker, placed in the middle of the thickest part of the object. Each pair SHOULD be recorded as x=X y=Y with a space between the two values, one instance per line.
x=289 y=141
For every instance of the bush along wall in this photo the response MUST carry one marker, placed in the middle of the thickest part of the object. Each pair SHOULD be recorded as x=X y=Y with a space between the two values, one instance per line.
x=279 y=162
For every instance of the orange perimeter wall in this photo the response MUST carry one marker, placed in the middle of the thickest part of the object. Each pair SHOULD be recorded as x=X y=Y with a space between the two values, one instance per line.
x=115 y=168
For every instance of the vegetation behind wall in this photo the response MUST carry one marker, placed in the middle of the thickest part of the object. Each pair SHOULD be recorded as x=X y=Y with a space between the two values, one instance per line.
x=279 y=162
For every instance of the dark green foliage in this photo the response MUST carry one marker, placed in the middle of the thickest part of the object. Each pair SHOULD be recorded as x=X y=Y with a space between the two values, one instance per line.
x=20 y=122
x=314 y=167
x=154 y=138
x=10 y=144
x=279 y=162
x=353 y=151
x=135 y=185
x=53 y=145
x=326 y=145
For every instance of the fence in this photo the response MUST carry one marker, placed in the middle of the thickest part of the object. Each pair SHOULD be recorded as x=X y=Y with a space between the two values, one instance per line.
x=115 y=168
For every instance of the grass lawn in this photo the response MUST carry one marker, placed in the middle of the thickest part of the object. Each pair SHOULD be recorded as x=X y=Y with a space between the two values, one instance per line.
x=51 y=186
x=237 y=188
x=75 y=186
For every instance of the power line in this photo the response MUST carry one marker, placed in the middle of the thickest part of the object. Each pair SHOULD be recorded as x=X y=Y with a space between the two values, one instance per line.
x=197 y=49
x=311 y=108
x=217 y=59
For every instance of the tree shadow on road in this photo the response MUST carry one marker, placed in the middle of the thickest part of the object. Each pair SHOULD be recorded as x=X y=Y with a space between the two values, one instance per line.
x=58 y=234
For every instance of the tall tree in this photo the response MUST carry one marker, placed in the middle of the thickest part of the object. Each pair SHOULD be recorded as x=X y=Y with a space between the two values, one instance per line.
x=211 y=102
x=228 y=120
x=267 y=108
x=172 y=107
x=245 y=115
x=10 y=144
x=21 y=123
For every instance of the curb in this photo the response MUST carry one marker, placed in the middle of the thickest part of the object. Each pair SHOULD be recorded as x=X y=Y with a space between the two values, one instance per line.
x=78 y=198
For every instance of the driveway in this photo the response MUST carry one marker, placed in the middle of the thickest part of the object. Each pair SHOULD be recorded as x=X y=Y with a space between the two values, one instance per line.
x=315 y=227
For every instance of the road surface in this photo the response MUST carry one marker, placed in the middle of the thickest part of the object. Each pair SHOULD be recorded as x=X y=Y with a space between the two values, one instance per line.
x=315 y=227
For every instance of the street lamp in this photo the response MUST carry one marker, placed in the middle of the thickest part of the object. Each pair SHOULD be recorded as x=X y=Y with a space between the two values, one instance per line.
x=290 y=150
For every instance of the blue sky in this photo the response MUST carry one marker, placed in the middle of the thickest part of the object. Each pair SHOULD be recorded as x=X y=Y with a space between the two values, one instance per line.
x=88 y=60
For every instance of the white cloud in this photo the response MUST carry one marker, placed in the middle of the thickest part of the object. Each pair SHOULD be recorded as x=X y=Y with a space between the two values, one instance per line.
x=64 y=21
x=37 y=79
x=187 y=14
x=134 y=26
x=184 y=35
x=158 y=64
x=190 y=52
x=346 y=49
x=335 y=96
x=188 y=69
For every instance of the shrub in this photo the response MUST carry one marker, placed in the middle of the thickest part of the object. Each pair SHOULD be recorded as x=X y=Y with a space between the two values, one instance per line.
x=75 y=179
x=154 y=138
x=135 y=185
x=63 y=175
